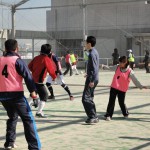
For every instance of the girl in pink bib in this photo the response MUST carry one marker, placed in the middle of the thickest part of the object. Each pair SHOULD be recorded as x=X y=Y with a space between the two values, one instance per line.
x=119 y=86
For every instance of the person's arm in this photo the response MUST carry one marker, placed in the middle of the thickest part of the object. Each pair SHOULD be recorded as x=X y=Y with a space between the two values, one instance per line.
x=23 y=71
x=56 y=60
x=135 y=80
x=92 y=67
x=30 y=66
x=112 y=68
x=50 y=67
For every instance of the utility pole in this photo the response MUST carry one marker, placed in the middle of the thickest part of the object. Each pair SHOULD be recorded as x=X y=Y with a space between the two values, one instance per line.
x=13 y=10
x=84 y=18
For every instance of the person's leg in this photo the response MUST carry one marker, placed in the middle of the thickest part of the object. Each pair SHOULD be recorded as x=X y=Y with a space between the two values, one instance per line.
x=11 y=123
x=30 y=129
x=61 y=82
x=75 y=67
x=146 y=67
x=87 y=100
x=41 y=89
x=67 y=68
x=111 y=103
x=71 y=71
x=50 y=88
x=121 y=100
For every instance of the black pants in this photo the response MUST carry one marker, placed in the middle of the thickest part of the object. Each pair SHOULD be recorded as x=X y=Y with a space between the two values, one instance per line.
x=68 y=67
x=87 y=100
x=41 y=89
x=131 y=65
x=19 y=107
x=146 y=67
x=111 y=103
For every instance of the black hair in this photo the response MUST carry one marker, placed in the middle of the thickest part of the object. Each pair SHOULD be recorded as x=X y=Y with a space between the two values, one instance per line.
x=46 y=49
x=68 y=52
x=115 y=50
x=124 y=59
x=147 y=52
x=92 y=40
x=11 y=45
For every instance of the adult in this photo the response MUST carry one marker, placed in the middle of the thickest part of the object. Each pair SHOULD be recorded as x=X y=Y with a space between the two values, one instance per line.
x=13 y=71
x=92 y=77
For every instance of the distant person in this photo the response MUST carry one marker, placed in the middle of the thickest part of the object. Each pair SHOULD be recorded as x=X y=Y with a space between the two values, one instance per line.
x=119 y=86
x=86 y=55
x=115 y=56
x=68 y=64
x=74 y=62
x=131 y=59
x=13 y=71
x=146 y=61
x=40 y=66
x=59 y=80
x=92 y=77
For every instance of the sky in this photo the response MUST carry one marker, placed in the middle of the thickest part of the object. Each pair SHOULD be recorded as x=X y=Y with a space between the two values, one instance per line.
x=25 y=19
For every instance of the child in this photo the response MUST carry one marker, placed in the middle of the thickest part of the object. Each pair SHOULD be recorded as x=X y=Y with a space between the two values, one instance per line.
x=119 y=86
x=59 y=80
x=39 y=67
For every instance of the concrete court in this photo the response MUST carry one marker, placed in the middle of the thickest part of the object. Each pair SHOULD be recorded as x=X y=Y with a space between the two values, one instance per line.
x=64 y=129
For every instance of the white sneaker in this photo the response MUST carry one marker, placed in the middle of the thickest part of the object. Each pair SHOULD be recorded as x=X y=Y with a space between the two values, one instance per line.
x=107 y=118
x=11 y=147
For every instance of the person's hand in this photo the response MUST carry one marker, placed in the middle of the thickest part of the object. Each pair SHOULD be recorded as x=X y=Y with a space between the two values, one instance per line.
x=91 y=84
x=35 y=102
x=35 y=99
x=85 y=75
x=102 y=66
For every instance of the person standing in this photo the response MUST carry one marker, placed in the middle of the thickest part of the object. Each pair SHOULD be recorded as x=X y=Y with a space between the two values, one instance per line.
x=92 y=77
x=59 y=80
x=74 y=63
x=119 y=86
x=39 y=67
x=115 y=56
x=131 y=59
x=68 y=64
x=13 y=71
x=86 y=54
x=146 y=61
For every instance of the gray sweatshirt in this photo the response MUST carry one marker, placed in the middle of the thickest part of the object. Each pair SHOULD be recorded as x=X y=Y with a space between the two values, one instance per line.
x=131 y=75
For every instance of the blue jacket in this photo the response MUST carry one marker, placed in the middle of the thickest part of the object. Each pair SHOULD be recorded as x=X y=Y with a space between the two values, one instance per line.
x=93 y=66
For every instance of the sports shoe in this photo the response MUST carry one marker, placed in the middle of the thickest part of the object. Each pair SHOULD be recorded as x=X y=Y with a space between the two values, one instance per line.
x=77 y=74
x=107 y=118
x=92 y=120
x=71 y=98
x=126 y=116
x=13 y=146
x=40 y=115
x=51 y=97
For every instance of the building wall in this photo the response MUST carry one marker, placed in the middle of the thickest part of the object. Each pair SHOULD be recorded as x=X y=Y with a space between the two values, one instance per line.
x=111 y=23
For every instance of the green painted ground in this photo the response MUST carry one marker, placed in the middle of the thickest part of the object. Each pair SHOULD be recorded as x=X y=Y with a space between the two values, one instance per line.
x=64 y=129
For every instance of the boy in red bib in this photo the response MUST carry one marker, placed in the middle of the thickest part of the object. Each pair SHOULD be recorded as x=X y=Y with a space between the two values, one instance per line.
x=40 y=66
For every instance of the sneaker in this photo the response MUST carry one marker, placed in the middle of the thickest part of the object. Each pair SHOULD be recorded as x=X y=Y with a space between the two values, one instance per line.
x=77 y=74
x=126 y=116
x=92 y=120
x=40 y=115
x=71 y=98
x=107 y=118
x=13 y=146
x=51 y=97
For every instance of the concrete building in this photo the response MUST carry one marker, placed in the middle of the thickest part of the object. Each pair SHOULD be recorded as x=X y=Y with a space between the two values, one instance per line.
x=115 y=24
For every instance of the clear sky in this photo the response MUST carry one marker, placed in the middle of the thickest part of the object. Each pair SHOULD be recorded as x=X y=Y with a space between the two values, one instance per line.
x=25 y=19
